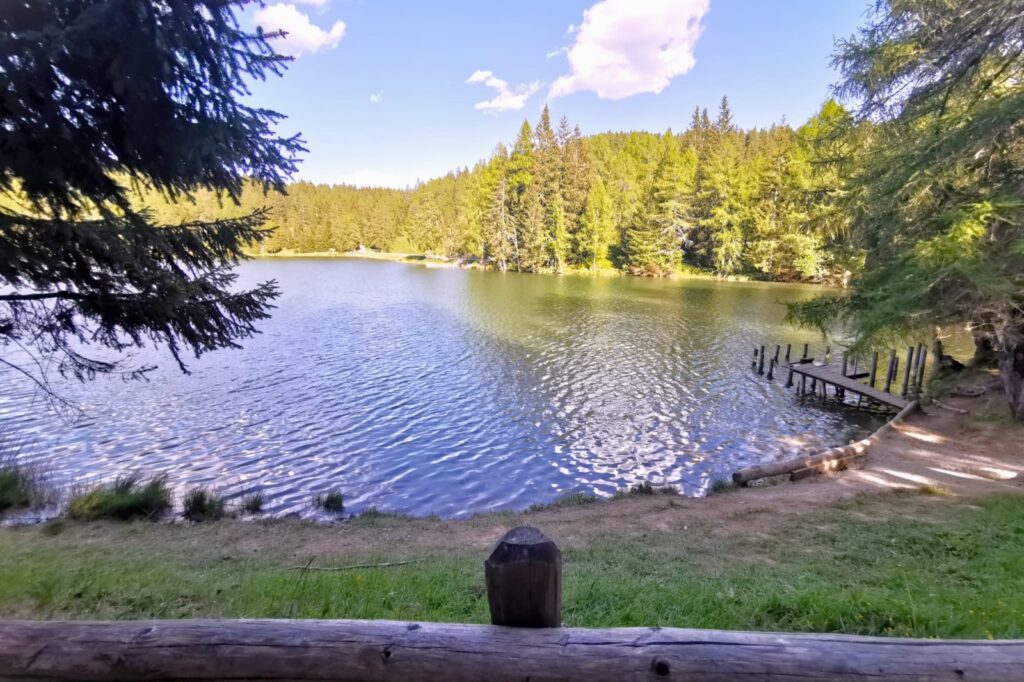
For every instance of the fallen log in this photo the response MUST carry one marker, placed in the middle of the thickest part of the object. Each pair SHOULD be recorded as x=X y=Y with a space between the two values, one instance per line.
x=378 y=651
x=824 y=461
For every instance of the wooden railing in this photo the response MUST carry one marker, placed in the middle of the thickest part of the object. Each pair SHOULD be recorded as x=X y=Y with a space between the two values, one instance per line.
x=523 y=580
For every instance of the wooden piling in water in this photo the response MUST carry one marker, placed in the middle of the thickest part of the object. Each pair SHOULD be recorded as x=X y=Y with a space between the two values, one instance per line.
x=753 y=363
x=771 y=368
x=906 y=371
x=806 y=346
x=760 y=361
x=890 y=371
x=920 y=369
x=777 y=349
x=874 y=369
x=789 y=346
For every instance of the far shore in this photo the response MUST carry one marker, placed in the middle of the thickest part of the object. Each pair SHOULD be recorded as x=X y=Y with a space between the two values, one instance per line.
x=434 y=261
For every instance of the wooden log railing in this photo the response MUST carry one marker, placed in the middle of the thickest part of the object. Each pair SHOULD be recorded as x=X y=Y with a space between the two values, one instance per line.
x=523 y=576
x=388 y=651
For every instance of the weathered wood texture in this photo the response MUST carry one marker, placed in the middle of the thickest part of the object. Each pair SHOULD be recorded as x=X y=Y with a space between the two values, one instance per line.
x=833 y=374
x=832 y=459
x=524 y=580
x=372 y=651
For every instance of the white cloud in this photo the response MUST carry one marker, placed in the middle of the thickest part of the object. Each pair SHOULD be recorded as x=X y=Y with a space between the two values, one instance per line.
x=303 y=36
x=317 y=3
x=627 y=47
x=377 y=97
x=507 y=99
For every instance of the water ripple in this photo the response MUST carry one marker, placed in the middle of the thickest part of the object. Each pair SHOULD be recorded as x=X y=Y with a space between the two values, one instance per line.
x=449 y=392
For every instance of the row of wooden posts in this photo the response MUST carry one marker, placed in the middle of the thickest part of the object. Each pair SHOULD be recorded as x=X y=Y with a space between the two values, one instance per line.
x=913 y=368
x=524 y=642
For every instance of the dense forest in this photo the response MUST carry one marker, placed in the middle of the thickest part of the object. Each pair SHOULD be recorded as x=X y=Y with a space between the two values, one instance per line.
x=717 y=198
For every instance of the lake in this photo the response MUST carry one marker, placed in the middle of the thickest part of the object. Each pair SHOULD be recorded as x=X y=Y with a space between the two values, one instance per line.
x=449 y=392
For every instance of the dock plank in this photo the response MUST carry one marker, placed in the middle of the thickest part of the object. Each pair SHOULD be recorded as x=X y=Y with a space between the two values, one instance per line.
x=833 y=374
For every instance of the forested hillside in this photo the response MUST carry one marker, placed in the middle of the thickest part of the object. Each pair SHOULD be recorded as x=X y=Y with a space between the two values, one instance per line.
x=758 y=202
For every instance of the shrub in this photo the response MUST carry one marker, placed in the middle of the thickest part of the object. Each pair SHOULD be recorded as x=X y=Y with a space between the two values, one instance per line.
x=333 y=502
x=128 y=497
x=201 y=505
x=16 y=487
x=253 y=503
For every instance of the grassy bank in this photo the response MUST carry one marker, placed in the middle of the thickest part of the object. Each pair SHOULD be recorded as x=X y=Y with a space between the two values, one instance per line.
x=908 y=564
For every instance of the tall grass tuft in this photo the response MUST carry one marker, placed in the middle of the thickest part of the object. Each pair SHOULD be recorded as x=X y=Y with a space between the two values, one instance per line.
x=333 y=502
x=201 y=505
x=128 y=497
x=252 y=503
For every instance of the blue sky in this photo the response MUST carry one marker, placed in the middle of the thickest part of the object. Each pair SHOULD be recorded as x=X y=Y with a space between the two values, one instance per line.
x=386 y=92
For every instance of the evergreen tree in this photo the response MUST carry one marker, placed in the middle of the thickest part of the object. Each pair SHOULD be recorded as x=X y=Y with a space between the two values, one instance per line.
x=937 y=203
x=597 y=230
x=100 y=96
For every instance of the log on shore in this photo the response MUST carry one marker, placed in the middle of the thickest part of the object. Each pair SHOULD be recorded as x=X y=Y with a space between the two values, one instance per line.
x=829 y=460
x=377 y=651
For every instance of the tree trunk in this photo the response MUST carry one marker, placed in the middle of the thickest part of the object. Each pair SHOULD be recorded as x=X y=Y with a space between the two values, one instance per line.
x=984 y=354
x=1011 y=372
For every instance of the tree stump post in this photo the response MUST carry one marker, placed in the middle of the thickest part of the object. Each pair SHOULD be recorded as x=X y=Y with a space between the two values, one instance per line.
x=524 y=580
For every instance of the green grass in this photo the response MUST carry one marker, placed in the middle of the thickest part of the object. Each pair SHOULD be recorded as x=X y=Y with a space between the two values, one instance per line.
x=201 y=505
x=566 y=500
x=333 y=502
x=128 y=497
x=898 y=565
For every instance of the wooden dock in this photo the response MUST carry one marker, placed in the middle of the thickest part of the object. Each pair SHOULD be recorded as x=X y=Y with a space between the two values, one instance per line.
x=874 y=387
x=830 y=374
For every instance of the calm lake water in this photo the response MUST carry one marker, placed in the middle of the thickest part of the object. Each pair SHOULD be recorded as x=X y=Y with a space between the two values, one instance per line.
x=450 y=392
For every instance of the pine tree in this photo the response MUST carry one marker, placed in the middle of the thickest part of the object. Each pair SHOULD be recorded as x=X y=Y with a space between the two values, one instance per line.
x=99 y=96
x=547 y=167
x=597 y=229
x=938 y=202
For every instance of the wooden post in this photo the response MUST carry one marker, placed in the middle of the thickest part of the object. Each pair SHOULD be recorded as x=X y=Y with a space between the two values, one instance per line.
x=760 y=361
x=789 y=379
x=789 y=346
x=845 y=363
x=920 y=369
x=771 y=369
x=777 y=349
x=524 y=580
x=874 y=369
x=906 y=371
x=805 y=349
x=753 y=363
x=914 y=387
x=891 y=371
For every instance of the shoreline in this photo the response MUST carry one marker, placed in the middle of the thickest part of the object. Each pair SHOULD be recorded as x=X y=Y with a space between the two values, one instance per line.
x=938 y=497
x=440 y=262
